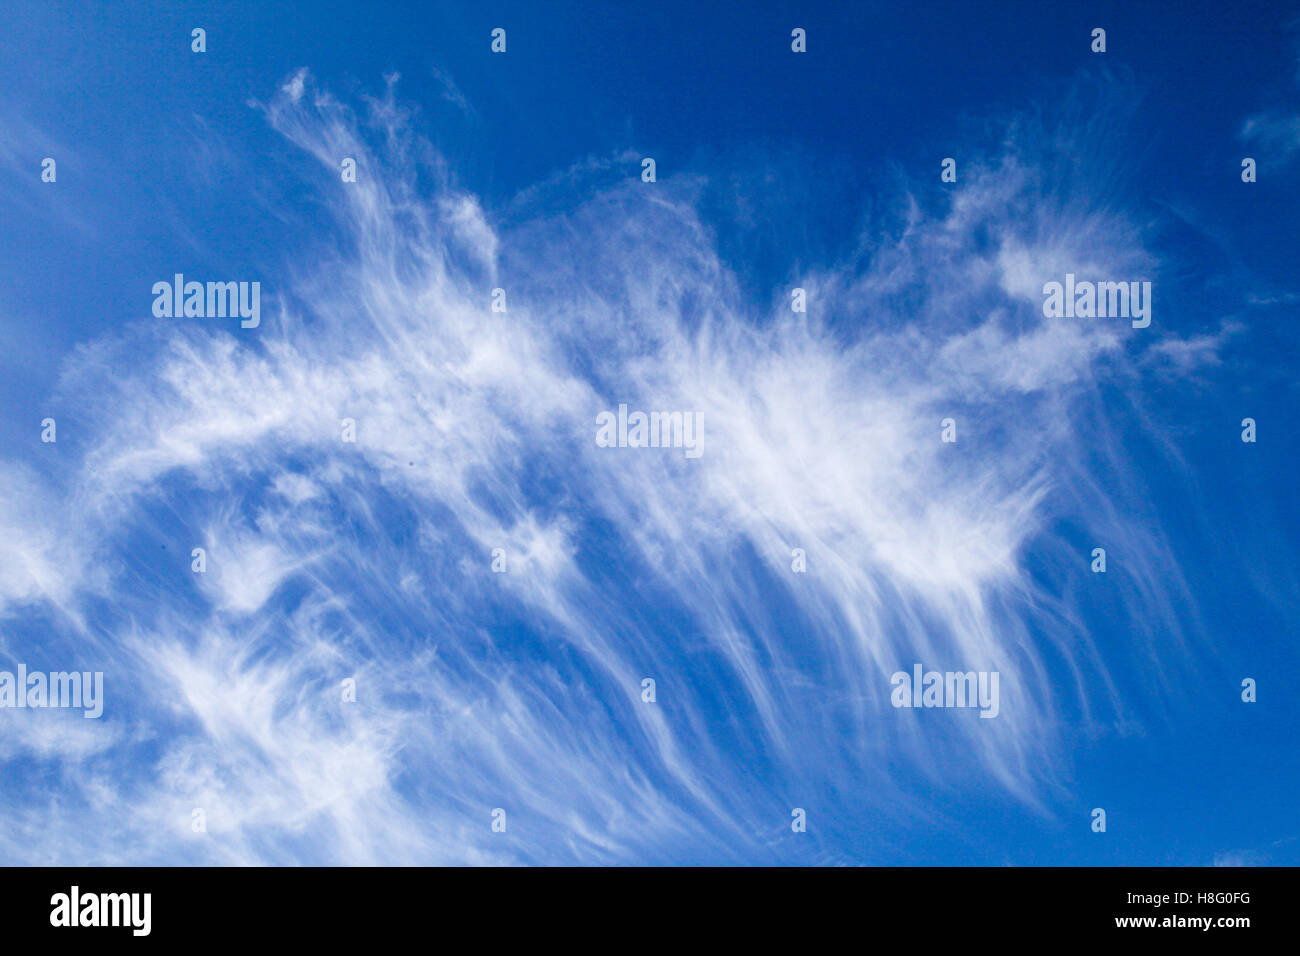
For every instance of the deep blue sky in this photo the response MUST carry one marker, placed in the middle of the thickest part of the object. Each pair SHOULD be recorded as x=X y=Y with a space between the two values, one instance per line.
x=792 y=166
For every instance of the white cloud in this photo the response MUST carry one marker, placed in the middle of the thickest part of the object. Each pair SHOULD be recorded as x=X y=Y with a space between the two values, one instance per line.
x=476 y=430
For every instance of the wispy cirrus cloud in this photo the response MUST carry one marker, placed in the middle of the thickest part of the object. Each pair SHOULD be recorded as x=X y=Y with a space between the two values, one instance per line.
x=521 y=690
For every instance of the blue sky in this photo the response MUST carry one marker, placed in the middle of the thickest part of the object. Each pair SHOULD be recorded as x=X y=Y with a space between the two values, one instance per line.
x=821 y=431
